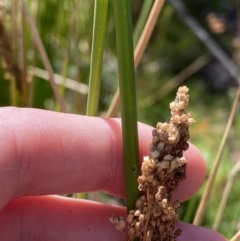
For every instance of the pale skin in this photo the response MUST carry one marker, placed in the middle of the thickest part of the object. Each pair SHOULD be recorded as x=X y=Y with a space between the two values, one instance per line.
x=43 y=152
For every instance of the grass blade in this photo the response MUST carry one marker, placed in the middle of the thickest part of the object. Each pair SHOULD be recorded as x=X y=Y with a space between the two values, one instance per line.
x=225 y=195
x=207 y=192
x=99 y=29
x=142 y=20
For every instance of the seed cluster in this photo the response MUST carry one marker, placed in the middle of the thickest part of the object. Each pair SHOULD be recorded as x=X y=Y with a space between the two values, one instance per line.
x=155 y=214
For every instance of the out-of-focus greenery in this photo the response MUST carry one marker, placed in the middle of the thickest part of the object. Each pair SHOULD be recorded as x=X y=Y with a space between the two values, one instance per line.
x=66 y=31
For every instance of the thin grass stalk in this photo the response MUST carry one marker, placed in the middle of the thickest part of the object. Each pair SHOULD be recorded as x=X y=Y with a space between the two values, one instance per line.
x=140 y=48
x=70 y=83
x=147 y=31
x=44 y=56
x=147 y=5
x=124 y=42
x=175 y=81
x=225 y=195
x=236 y=237
x=206 y=195
x=99 y=29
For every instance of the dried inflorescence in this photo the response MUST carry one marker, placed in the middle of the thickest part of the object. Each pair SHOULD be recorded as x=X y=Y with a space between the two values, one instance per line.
x=155 y=214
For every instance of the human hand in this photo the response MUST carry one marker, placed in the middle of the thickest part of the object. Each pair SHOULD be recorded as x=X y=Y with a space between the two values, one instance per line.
x=43 y=152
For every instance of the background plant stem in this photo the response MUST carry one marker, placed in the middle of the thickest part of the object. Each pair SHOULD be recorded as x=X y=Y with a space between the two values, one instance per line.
x=99 y=29
x=147 y=5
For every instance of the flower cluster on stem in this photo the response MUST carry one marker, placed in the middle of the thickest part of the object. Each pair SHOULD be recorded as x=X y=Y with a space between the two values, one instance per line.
x=155 y=214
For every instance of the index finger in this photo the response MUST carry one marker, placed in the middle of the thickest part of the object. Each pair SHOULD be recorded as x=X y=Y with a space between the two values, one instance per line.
x=44 y=152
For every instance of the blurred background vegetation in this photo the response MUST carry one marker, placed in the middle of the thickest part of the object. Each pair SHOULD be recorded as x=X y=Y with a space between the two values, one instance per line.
x=174 y=56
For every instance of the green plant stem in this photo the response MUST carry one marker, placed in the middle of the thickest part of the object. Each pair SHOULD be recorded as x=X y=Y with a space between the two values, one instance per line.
x=99 y=29
x=147 y=5
x=124 y=41
x=190 y=210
